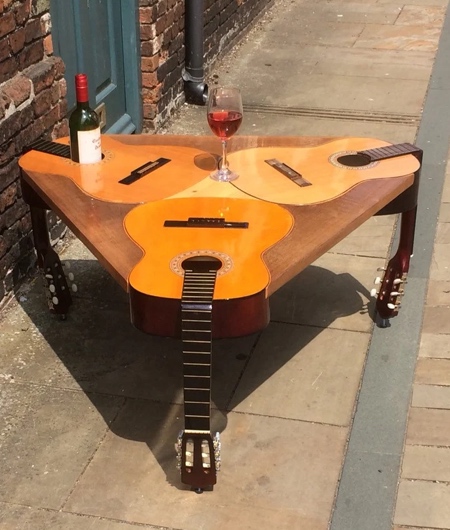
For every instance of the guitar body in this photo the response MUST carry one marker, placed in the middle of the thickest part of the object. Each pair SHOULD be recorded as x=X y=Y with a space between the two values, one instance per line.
x=240 y=303
x=325 y=170
x=186 y=167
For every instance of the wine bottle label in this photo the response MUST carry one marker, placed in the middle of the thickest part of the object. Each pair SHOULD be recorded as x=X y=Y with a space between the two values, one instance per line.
x=89 y=146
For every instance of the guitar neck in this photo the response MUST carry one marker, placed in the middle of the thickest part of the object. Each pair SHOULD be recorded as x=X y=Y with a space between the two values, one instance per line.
x=196 y=322
x=390 y=151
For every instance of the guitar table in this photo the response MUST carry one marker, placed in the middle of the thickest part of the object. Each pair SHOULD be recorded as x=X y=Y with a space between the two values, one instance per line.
x=200 y=258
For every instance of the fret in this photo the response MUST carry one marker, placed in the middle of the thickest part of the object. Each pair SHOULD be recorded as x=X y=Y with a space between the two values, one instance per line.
x=196 y=395
x=199 y=370
x=200 y=410
x=195 y=382
x=196 y=357
x=197 y=424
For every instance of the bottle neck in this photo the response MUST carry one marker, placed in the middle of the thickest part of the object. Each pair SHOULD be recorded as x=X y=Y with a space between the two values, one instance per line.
x=82 y=104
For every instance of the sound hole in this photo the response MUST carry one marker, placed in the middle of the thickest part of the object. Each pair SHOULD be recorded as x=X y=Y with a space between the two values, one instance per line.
x=354 y=160
x=202 y=264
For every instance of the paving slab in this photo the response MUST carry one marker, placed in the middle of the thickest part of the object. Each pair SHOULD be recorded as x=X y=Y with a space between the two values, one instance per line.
x=258 y=486
x=428 y=16
x=361 y=63
x=434 y=345
x=47 y=436
x=14 y=517
x=428 y=427
x=433 y=371
x=437 y=319
x=343 y=300
x=423 y=503
x=431 y=396
x=316 y=381
x=426 y=463
x=415 y=38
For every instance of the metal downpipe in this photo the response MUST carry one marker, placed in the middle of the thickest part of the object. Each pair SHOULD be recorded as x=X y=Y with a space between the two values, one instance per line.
x=195 y=88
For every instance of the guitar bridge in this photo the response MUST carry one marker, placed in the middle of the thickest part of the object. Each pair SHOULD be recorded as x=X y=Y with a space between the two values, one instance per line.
x=205 y=222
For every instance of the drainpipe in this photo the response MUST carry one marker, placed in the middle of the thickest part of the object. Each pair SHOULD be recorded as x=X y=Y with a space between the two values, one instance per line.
x=195 y=88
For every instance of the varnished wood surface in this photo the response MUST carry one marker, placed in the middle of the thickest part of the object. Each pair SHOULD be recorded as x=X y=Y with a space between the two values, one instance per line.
x=186 y=166
x=317 y=227
x=323 y=177
x=242 y=272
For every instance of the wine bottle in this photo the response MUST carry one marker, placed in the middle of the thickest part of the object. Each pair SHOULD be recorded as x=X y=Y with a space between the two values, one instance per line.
x=84 y=126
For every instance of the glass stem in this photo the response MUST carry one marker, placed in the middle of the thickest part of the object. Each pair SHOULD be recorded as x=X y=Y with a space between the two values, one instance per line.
x=224 y=163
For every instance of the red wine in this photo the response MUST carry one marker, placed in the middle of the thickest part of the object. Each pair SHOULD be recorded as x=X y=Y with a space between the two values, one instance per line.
x=84 y=126
x=224 y=123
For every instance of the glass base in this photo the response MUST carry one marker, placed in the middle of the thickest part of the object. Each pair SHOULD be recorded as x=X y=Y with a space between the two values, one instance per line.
x=224 y=175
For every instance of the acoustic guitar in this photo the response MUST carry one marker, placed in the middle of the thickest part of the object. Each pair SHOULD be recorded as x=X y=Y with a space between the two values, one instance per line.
x=127 y=173
x=202 y=254
x=317 y=174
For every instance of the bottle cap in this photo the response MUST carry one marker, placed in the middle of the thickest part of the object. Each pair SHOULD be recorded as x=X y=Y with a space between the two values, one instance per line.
x=81 y=87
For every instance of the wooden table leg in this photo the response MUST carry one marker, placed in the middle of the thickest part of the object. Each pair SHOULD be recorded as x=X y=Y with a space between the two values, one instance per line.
x=58 y=293
x=392 y=284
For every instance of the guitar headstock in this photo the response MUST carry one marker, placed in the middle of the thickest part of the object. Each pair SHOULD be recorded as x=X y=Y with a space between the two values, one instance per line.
x=391 y=287
x=198 y=458
x=58 y=293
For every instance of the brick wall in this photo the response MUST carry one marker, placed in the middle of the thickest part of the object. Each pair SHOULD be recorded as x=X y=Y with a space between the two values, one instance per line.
x=32 y=105
x=162 y=47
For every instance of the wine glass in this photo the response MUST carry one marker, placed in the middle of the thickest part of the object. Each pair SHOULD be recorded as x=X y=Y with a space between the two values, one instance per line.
x=224 y=118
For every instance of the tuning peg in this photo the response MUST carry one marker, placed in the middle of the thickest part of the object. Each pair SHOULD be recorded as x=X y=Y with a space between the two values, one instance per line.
x=373 y=293
x=393 y=306
x=52 y=288
x=395 y=293
x=55 y=300
x=74 y=287
x=397 y=281
x=381 y=269
x=377 y=280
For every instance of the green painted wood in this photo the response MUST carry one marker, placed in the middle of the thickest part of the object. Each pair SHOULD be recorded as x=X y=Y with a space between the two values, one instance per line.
x=94 y=37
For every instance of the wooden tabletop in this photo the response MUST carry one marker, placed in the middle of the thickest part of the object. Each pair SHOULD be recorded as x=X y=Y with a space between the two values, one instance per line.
x=98 y=223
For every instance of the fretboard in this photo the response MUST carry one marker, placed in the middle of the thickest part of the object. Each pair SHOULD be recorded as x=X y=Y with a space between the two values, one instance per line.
x=390 y=151
x=53 y=148
x=196 y=315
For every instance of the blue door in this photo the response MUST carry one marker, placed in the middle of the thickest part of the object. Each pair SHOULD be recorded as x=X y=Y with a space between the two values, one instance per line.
x=100 y=38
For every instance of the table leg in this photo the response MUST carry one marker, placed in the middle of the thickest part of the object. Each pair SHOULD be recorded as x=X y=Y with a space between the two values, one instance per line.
x=58 y=292
x=392 y=284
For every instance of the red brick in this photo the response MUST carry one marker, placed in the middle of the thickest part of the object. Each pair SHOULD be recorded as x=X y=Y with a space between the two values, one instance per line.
x=8 y=197
x=17 y=121
x=28 y=135
x=60 y=130
x=7 y=23
x=33 y=30
x=147 y=15
x=17 y=40
x=7 y=68
x=43 y=102
x=5 y=48
x=149 y=64
x=18 y=89
x=48 y=45
x=149 y=80
x=44 y=73
x=8 y=174
x=31 y=54
x=22 y=11
x=7 y=152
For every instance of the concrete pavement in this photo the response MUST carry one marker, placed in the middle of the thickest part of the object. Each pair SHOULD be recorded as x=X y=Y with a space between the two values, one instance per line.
x=317 y=427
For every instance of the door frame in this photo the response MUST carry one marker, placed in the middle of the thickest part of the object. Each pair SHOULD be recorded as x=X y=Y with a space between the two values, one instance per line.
x=129 y=10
